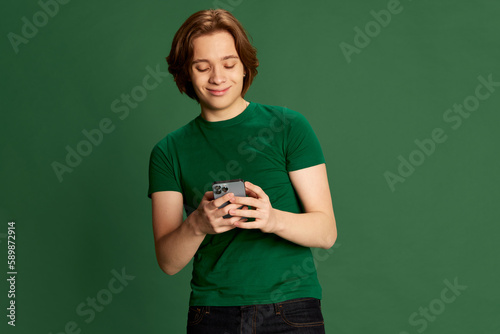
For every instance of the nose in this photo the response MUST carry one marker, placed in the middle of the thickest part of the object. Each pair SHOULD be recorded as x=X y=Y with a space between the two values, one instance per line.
x=217 y=76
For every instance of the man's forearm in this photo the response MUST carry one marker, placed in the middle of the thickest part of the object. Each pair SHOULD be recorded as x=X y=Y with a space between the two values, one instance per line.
x=176 y=249
x=311 y=229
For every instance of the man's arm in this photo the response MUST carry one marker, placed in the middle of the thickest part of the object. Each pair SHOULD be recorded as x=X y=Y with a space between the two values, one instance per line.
x=176 y=242
x=314 y=228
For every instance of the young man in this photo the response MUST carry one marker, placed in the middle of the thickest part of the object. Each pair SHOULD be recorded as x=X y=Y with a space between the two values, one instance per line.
x=249 y=275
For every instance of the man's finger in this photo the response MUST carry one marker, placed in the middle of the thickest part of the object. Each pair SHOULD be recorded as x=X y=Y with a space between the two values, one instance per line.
x=245 y=213
x=248 y=225
x=209 y=195
x=221 y=200
x=255 y=189
x=225 y=210
x=252 y=201
x=251 y=193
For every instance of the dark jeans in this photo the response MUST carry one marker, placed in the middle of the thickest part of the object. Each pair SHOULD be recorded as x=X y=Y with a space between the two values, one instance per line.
x=300 y=316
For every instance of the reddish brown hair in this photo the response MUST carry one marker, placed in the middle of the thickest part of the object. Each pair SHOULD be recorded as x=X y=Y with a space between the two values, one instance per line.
x=202 y=23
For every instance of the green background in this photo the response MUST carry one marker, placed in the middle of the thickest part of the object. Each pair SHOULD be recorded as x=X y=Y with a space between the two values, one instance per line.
x=395 y=249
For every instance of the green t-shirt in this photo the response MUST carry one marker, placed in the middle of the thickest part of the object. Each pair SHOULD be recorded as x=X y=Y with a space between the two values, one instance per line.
x=261 y=145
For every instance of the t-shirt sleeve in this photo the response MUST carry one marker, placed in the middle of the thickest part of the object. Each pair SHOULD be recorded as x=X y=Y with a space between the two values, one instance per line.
x=161 y=171
x=302 y=148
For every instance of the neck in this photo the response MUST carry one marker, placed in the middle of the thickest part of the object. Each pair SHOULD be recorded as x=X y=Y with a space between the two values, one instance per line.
x=215 y=115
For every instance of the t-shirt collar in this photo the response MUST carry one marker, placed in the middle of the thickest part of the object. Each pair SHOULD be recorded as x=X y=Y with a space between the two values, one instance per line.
x=228 y=122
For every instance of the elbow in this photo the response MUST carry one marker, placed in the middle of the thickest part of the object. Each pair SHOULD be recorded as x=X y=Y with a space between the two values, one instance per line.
x=169 y=270
x=164 y=264
x=331 y=237
x=329 y=241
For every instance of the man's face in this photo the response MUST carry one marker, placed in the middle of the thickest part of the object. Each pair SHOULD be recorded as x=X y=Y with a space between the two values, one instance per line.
x=216 y=71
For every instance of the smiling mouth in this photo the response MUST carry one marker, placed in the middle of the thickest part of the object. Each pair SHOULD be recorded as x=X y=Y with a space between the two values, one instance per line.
x=218 y=92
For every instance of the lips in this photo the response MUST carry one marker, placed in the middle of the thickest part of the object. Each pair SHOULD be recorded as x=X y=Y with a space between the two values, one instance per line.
x=218 y=92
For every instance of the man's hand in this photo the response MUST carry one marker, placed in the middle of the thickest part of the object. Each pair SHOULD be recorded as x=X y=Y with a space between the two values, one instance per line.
x=315 y=227
x=262 y=210
x=209 y=218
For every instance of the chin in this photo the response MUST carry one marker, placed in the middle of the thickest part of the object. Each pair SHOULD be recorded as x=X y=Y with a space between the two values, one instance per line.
x=219 y=103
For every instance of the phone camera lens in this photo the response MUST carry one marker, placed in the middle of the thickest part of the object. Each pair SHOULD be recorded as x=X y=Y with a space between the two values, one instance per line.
x=224 y=189
x=217 y=190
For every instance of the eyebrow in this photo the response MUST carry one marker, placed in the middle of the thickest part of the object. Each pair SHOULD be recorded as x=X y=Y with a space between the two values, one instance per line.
x=206 y=60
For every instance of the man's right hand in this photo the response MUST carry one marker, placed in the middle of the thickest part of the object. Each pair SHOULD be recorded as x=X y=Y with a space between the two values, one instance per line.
x=209 y=218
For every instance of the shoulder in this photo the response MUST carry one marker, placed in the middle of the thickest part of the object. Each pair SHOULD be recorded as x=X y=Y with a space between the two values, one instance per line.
x=167 y=148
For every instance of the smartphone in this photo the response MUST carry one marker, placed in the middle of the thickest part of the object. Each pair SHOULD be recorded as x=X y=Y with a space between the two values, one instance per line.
x=237 y=187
